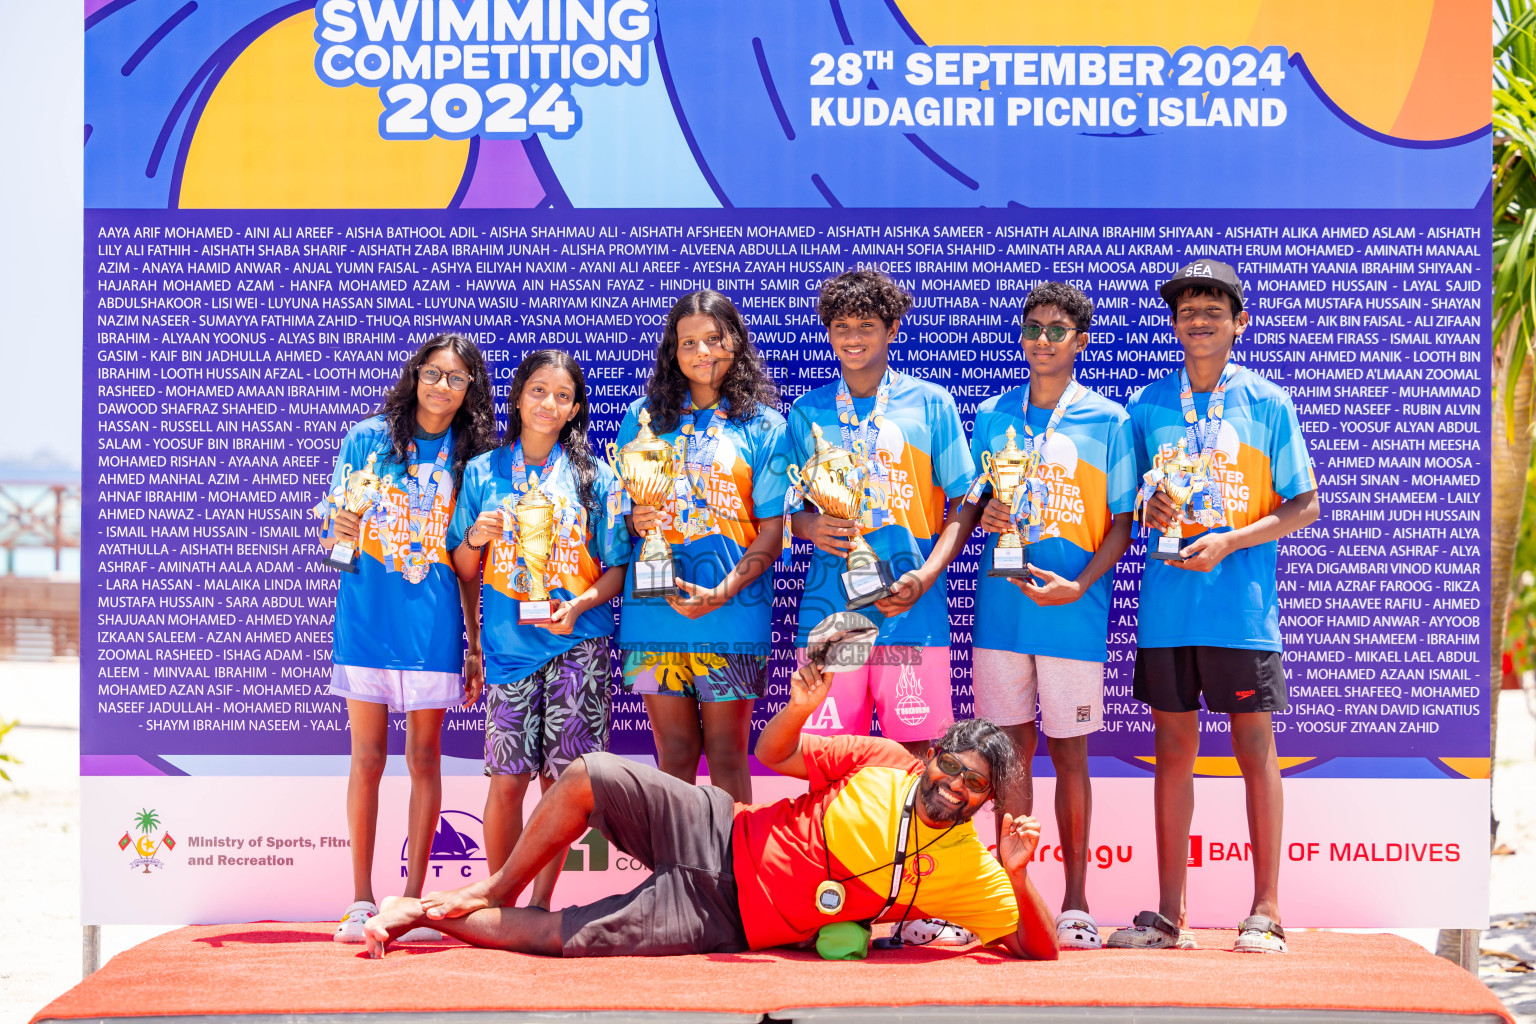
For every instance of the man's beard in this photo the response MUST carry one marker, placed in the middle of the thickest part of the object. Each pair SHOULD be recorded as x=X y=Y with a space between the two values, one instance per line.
x=937 y=807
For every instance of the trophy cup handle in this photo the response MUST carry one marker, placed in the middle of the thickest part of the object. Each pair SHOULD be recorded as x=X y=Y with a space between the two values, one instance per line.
x=613 y=457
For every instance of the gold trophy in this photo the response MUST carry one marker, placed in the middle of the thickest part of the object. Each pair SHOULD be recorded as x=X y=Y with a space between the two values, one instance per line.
x=1008 y=470
x=832 y=480
x=1183 y=475
x=532 y=522
x=357 y=494
x=648 y=468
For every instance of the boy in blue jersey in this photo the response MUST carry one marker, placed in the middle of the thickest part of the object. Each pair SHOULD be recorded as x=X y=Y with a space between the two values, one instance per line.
x=909 y=434
x=1043 y=637
x=1209 y=621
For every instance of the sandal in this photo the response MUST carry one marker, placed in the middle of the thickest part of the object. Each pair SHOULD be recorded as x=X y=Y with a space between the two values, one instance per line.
x=351 y=927
x=1076 y=929
x=1149 y=930
x=1259 y=934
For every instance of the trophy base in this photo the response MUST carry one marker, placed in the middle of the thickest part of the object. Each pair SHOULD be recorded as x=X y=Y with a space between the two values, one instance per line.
x=343 y=557
x=535 y=613
x=1167 y=549
x=653 y=579
x=867 y=584
x=1009 y=562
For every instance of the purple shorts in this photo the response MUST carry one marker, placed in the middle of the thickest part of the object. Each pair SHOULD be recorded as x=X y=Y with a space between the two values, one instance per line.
x=544 y=721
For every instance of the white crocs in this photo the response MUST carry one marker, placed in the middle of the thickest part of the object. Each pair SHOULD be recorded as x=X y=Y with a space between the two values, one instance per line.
x=930 y=931
x=351 y=927
x=1076 y=929
x=422 y=934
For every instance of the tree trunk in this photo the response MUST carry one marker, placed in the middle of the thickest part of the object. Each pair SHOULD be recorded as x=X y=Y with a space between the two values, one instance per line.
x=1510 y=444
x=1511 y=460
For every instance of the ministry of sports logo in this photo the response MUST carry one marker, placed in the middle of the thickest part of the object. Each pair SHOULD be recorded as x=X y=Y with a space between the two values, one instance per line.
x=146 y=823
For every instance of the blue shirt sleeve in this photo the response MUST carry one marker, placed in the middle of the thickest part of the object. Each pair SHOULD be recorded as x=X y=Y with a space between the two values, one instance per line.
x=770 y=465
x=608 y=540
x=467 y=510
x=1122 y=480
x=1290 y=462
x=1140 y=410
x=798 y=430
x=953 y=467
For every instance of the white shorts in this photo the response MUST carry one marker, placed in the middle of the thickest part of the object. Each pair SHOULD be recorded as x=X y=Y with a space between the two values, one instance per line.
x=1005 y=686
x=401 y=690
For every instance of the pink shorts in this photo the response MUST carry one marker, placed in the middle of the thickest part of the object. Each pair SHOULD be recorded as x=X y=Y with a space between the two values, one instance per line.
x=907 y=686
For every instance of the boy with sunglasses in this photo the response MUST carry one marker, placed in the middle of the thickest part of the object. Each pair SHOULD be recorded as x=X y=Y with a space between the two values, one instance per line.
x=1209 y=620
x=1042 y=637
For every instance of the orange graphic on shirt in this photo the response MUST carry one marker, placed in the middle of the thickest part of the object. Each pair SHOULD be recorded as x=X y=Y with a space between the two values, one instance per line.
x=393 y=504
x=916 y=501
x=570 y=566
x=1078 y=509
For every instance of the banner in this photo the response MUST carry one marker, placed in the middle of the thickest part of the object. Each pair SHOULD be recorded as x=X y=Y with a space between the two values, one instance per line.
x=284 y=200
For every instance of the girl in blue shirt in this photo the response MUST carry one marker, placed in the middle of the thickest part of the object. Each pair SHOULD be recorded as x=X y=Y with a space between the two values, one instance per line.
x=700 y=658
x=399 y=635
x=547 y=699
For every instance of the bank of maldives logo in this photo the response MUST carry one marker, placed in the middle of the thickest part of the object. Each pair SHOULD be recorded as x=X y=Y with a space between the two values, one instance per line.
x=146 y=823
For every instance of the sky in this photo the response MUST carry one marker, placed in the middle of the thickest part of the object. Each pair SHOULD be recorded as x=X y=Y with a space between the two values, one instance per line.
x=41 y=69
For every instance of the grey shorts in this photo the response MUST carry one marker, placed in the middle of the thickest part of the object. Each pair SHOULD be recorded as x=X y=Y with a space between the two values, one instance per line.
x=683 y=834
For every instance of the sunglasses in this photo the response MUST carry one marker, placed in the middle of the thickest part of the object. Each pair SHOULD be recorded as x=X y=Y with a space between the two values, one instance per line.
x=974 y=781
x=1054 y=333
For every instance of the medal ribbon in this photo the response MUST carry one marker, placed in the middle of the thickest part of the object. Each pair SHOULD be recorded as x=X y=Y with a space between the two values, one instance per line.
x=419 y=501
x=863 y=447
x=1206 y=504
x=697 y=452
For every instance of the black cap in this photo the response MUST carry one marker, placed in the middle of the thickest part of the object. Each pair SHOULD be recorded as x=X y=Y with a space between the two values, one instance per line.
x=1205 y=274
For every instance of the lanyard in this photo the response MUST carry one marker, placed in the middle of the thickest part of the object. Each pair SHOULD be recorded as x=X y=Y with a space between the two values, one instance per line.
x=518 y=471
x=1067 y=398
x=699 y=449
x=860 y=444
x=1202 y=435
x=419 y=500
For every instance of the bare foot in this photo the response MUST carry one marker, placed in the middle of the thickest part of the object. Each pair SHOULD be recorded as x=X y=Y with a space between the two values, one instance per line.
x=397 y=915
x=455 y=902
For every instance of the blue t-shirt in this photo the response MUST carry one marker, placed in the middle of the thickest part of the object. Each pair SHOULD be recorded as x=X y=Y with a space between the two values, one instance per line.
x=747 y=482
x=923 y=442
x=592 y=539
x=1260 y=460
x=1090 y=468
x=383 y=620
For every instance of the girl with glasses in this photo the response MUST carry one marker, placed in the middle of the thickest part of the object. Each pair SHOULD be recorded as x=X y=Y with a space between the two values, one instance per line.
x=547 y=663
x=700 y=658
x=399 y=635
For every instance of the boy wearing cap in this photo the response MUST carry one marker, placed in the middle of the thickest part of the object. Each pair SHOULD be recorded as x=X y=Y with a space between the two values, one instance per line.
x=1208 y=622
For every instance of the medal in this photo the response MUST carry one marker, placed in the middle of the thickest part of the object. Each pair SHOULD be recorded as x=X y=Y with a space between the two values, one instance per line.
x=1200 y=439
x=696 y=455
x=420 y=500
x=864 y=447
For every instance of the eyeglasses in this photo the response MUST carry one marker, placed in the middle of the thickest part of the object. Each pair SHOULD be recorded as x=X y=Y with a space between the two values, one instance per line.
x=431 y=375
x=1055 y=333
x=974 y=781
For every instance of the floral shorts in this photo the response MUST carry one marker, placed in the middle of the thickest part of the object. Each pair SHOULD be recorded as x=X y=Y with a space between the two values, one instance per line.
x=702 y=675
x=544 y=721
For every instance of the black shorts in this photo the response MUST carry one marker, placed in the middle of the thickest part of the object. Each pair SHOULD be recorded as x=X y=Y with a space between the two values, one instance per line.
x=683 y=834
x=1232 y=681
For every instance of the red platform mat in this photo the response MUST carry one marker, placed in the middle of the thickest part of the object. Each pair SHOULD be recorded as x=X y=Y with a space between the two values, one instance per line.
x=296 y=968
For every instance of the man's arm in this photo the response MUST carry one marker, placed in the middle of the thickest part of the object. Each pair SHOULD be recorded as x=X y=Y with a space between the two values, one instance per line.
x=778 y=747
x=1035 y=937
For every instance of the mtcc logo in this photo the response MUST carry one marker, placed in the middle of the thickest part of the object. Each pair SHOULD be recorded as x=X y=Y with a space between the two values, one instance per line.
x=146 y=823
x=456 y=846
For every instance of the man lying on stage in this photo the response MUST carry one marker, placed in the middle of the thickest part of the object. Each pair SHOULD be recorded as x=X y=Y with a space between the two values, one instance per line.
x=879 y=836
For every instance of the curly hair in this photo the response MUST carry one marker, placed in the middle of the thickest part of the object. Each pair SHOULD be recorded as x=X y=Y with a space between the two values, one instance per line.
x=474 y=425
x=746 y=385
x=862 y=292
x=991 y=743
x=1071 y=301
x=573 y=436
